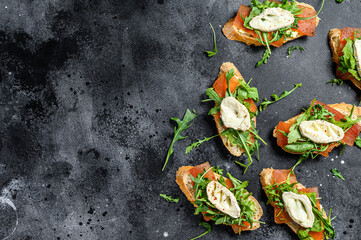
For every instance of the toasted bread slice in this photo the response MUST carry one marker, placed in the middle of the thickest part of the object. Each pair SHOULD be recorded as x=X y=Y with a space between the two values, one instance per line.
x=341 y=107
x=185 y=183
x=335 y=36
x=234 y=33
x=266 y=177
x=233 y=149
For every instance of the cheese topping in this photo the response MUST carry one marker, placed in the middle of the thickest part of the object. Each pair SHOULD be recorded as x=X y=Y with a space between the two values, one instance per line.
x=357 y=54
x=320 y=131
x=272 y=19
x=223 y=199
x=299 y=208
x=234 y=114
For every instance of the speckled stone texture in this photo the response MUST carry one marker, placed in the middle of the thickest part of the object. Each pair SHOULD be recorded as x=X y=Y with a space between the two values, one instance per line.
x=86 y=96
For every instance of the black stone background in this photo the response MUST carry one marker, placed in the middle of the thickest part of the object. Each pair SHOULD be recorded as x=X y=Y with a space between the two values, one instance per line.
x=87 y=92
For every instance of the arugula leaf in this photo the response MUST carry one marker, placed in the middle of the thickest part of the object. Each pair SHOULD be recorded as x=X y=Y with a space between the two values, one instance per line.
x=207 y=226
x=169 y=198
x=347 y=61
x=358 y=141
x=214 y=110
x=337 y=174
x=290 y=49
x=335 y=81
x=199 y=142
x=265 y=56
x=244 y=91
x=276 y=98
x=210 y=53
x=212 y=96
x=181 y=126
x=229 y=75
x=339 y=1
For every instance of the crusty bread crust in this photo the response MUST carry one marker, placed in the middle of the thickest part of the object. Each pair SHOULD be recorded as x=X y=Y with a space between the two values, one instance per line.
x=233 y=33
x=341 y=107
x=266 y=177
x=233 y=149
x=185 y=183
x=335 y=36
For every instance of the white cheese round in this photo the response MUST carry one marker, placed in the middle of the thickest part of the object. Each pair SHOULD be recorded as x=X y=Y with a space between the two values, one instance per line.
x=234 y=114
x=272 y=19
x=299 y=208
x=320 y=131
x=357 y=54
x=223 y=199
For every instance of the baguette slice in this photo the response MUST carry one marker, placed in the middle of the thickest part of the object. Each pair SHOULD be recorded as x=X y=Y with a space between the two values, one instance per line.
x=234 y=33
x=341 y=107
x=184 y=181
x=266 y=177
x=335 y=38
x=233 y=149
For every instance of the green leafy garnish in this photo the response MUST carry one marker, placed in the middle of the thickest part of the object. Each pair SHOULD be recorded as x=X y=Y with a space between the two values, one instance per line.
x=358 y=141
x=348 y=61
x=203 y=204
x=181 y=126
x=169 y=198
x=335 y=81
x=199 y=142
x=210 y=53
x=266 y=55
x=207 y=226
x=276 y=98
x=339 y=1
x=337 y=174
x=290 y=49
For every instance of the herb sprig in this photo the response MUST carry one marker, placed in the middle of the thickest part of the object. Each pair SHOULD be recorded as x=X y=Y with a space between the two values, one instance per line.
x=169 y=198
x=181 y=126
x=358 y=141
x=337 y=173
x=210 y=53
x=276 y=98
x=207 y=226
x=335 y=81
x=199 y=142
x=290 y=49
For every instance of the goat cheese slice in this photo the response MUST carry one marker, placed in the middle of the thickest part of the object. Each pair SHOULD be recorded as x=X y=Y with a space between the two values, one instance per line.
x=223 y=199
x=234 y=114
x=357 y=54
x=320 y=131
x=272 y=19
x=299 y=208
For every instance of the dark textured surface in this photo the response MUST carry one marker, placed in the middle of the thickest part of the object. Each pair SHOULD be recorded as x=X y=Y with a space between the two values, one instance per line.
x=87 y=90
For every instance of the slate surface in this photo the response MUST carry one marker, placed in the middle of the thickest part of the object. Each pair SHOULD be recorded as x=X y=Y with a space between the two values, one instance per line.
x=87 y=91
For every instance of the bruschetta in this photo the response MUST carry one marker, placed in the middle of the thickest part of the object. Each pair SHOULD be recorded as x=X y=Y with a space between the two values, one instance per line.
x=295 y=205
x=271 y=23
x=319 y=129
x=221 y=199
